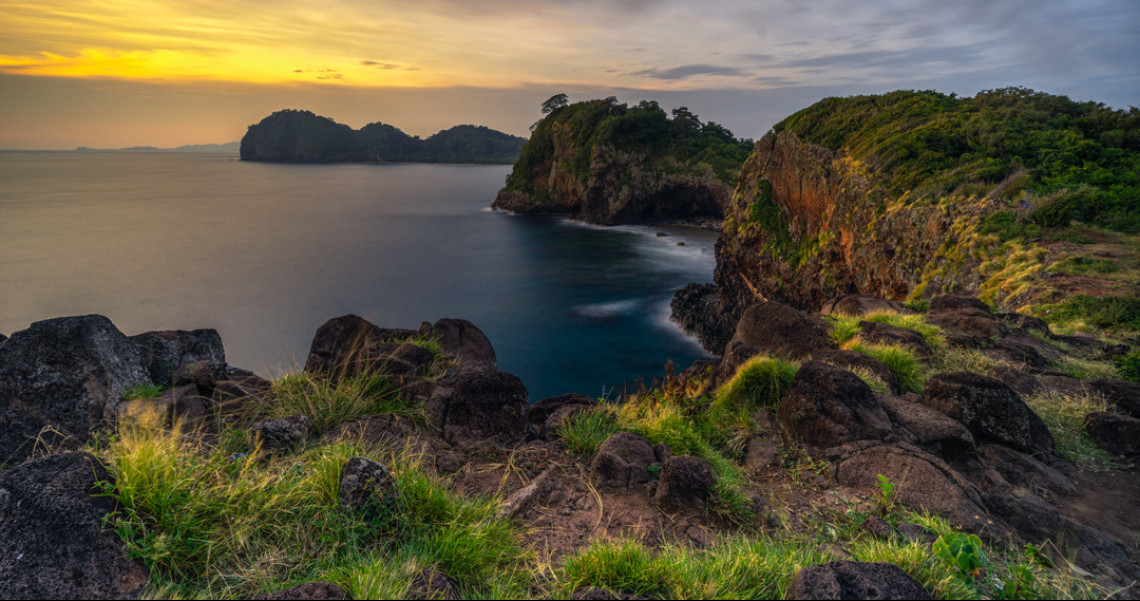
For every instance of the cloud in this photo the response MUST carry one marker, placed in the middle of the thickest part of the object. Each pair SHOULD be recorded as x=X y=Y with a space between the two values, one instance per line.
x=688 y=71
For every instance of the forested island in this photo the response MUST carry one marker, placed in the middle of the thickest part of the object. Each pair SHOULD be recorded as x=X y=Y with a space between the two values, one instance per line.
x=292 y=136
x=608 y=162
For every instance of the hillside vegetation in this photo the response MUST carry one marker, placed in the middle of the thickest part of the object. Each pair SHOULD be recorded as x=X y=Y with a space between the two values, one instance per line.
x=611 y=162
x=292 y=136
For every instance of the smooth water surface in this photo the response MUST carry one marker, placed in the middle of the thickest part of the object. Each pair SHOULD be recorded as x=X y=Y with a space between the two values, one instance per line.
x=266 y=253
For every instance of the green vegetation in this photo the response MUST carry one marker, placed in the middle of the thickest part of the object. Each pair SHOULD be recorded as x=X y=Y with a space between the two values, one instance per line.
x=1129 y=366
x=143 y=391
x=1085 y=266
x=678 y=144
x=961 y=551
x=229 y=521
x=330 y=405
x=1065 y=416
x=301 y=137
x=846 y=327
x=900 y=360
x=583 y=432
x=1054 y=159
x=758 y=384
x=1106 y=313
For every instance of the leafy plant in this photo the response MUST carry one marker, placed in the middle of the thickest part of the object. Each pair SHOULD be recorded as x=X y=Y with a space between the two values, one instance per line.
x=960 y=550
x=886 y=494
x=1129 y=366
x=143 y=390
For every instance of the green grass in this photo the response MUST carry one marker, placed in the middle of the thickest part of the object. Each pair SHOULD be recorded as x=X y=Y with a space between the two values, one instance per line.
x=330 y=405
x=870 y=379
x=900 y=360
x=143 y=391
x=584 y=431
x=955 y=359
x=846 y=327
x=1087 y=369
x=209 y=523
x=1065 y=416
x=428 y=343
x=1085 y=266
x=758 y=384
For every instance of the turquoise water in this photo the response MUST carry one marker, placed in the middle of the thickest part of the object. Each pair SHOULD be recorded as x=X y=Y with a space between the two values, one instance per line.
x=266 y=253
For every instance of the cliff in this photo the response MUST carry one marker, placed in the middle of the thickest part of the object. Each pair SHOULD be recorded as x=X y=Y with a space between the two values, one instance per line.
x=291 y=136
x=1011 y=196
x=606 y=162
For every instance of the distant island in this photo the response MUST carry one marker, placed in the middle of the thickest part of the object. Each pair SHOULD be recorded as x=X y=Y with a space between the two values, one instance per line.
x=227 y=147
x=293 y=136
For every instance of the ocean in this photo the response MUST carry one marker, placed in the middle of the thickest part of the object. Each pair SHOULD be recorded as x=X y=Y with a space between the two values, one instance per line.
x=266 y=253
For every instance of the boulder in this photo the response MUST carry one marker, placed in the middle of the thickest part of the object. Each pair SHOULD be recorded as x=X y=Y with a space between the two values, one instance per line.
x=1020 y=349
x=283 y=433
x=344 y=346
x=1115 y=433
x=932 y=430
x=430 y=584
x=990 y=409
x=856 y=360
x=922 y=482
x=861 y=304
x=1022 y=471
x=885 y=333
x=760 y=454
x=204 y=374
x=855 y=580
x=780 y=330
x=55 y=544
x=486 y=404
x=368 y=487
x=462 y=339
x=826 y=406
x=20 y=432
x=622 y=462
x=966 y=315
x=69 y=372
x=408 y=360
x=686 y=483
x=1125 y=395
x=545 y=416
x=241 y=389
x=310 y=591
x=169 y=350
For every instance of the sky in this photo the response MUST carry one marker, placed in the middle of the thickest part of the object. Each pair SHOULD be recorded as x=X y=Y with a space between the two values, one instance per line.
x=115 y=73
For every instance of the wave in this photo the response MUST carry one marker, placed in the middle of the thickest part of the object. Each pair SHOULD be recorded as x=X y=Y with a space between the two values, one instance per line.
x=608 y=309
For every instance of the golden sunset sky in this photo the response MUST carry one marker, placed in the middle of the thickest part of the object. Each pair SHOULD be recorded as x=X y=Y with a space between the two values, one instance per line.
x=110 y=73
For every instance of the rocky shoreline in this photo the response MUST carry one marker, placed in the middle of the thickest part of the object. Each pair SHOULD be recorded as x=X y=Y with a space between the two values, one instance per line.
x=965 y=447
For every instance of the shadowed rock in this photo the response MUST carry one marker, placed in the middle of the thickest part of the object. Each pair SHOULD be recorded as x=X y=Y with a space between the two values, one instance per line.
x=990 y=409
x=55 y=544
x=1021 y=470
x=885 y=333
x=367 y=487
x=485 y=403
x=934 y=431
x=826 y=406
x=183 y=403
x=344 y=346
x=965 y=315
x=430 y=584
x=69 y=372
x=1119 y=434
x=545 y=416
x=855 y=580
x=622 y=462
x=922 y=482
x=169 y=350
x=780 y=330
x=283 y=433
x=468 y=343
x=203 y=374
x=686 y=483
x=1125 y=395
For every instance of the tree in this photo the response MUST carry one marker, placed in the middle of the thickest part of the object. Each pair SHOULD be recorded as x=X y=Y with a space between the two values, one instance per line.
x=554 y=103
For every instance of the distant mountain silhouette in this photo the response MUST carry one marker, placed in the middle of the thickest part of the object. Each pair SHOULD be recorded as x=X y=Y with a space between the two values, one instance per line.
x=292 y=136
x=227 y=147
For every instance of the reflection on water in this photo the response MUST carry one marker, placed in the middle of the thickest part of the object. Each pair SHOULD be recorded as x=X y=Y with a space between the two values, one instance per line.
x=266 y=253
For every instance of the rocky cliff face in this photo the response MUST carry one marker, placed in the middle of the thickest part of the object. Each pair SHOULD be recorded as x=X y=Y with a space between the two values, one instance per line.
x=618 y=187
x=807 y=224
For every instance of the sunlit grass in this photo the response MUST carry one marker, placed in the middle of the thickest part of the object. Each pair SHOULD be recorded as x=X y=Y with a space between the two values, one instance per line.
x=1065 y=416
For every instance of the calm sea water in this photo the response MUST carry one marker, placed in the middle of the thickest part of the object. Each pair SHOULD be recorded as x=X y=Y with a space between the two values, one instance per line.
x=266 y=253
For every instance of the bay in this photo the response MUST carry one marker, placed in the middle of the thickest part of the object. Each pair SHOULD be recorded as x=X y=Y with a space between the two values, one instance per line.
x=266 y=253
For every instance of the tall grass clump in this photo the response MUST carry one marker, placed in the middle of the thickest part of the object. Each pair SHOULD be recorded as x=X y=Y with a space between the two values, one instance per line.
x=844 y=327
x=1064 y=414
x=934 y=335
x=900 y=360
x=208 y=522
x=584 y=431
x=758 y=384
x=1087 y=369
x=331 y=402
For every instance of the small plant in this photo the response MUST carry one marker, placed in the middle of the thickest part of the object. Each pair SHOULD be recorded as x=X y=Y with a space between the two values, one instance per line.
x=900 y=360
x=960 y=550
x=886 y=494
x=143 y=390
x=1129 y=366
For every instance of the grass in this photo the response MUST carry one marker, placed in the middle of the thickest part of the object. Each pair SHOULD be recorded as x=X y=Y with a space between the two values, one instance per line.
x=584 y=431
x=900 y=360
x=870 y=379
x=330 y=404
x=1089 y=369
x=1065 y=416
x=143 y=391
x=763 y=566
x=758 y=384
x=955 y=359
x=209 y=522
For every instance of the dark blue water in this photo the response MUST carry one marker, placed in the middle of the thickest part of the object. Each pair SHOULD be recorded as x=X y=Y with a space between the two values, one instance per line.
x=266 y=253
